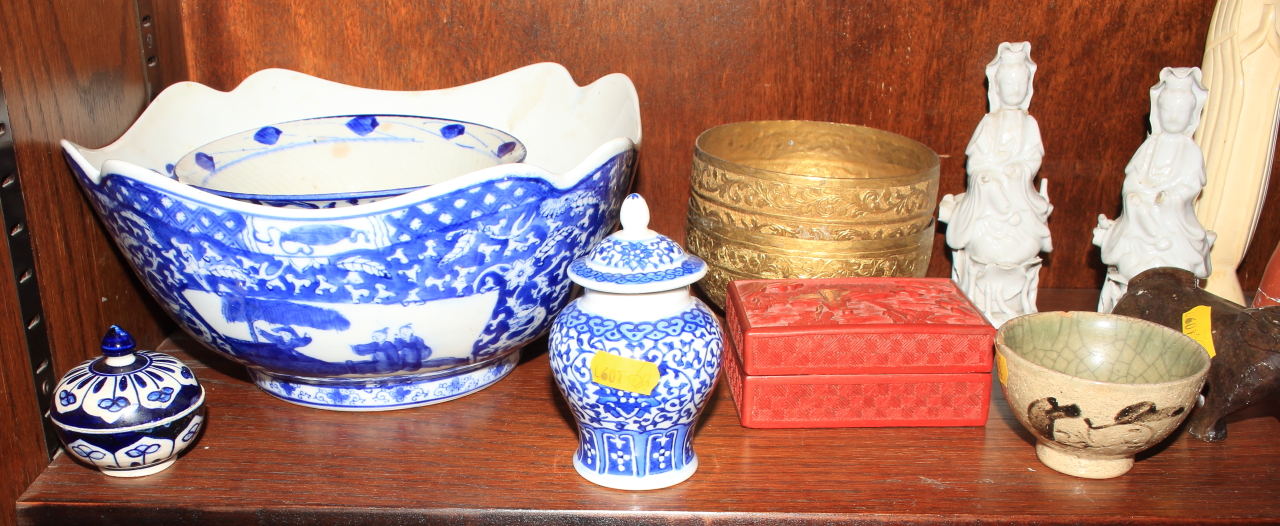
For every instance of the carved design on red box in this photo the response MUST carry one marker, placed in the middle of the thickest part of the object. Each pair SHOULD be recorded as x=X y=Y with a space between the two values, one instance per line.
x=849 y=302
x=858 y=400
x=734 y=324
x=857 y=326
x=940 y=400
x=733 y=373
x=829 y=353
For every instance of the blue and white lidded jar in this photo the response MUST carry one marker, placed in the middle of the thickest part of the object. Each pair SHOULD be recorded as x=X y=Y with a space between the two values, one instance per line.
x=637 y=357
x=128 y=413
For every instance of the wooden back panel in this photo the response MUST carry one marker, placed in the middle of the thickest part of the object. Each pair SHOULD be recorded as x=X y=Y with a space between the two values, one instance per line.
x=915 y=68
x=72 y=70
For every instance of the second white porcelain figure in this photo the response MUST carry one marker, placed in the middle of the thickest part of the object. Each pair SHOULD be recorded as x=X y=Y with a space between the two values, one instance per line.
x=1158 y=226
x=636 y=357
x=998 y=227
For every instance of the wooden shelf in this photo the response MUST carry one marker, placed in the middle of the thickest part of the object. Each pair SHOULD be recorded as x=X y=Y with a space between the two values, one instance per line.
x=502 y=456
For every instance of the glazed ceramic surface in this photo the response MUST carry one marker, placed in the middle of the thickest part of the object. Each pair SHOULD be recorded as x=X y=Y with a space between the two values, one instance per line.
x=1158 y=226
x=331 y=162
x=128 y=413
x=999 y=226
x=1095 y=389
x=411 y=300
x=637 y=439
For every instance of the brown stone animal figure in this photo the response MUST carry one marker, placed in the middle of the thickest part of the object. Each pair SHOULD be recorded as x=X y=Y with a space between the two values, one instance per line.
x=1246 y=368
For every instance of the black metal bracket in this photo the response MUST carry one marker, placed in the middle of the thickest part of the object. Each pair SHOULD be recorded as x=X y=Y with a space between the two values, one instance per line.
x=22 y=257
x=150 y=46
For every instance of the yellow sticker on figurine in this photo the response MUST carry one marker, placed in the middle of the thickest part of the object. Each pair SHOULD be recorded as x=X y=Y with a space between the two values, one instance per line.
x=1197 y=324
x=624 y=374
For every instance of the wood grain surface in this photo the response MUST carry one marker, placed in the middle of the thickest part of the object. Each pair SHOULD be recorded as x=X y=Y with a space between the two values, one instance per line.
x=73 y=70
x=21 y=437
x=503 y=456
x=912 y=67
x=171 y=52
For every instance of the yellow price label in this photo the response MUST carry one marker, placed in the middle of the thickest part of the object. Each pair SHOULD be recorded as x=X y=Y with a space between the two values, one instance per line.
x=624 y=374
x=1002 y=369
x=1197 y=324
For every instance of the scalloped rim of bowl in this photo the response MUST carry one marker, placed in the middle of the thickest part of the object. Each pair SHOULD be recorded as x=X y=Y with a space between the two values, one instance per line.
x=562 y=181
x=262 y=89
x=1193 y=377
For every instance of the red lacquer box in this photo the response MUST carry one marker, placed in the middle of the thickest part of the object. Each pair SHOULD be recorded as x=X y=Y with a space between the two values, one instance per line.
x=857 y=352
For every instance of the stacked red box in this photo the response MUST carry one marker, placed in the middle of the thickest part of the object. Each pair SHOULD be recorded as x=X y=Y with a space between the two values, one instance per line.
x=857 y=352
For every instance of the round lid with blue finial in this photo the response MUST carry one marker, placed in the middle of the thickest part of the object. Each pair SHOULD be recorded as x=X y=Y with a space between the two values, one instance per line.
x=636 y=260
x=124 y=388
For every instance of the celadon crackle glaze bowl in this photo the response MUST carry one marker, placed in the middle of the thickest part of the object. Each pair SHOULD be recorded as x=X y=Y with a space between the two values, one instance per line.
x=415 y=299
x=1096 y=389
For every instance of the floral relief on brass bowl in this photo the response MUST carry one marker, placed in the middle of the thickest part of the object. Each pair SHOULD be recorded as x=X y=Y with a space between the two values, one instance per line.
x=786 y=197
x=766 y=224
x=801 y=199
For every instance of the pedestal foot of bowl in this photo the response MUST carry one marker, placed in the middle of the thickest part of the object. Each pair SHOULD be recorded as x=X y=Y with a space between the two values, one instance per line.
x=388 y=393
x=1079 y=465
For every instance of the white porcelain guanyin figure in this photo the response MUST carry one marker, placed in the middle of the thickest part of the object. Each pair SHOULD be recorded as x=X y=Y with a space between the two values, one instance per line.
x=998 y=227
x=1158 y=225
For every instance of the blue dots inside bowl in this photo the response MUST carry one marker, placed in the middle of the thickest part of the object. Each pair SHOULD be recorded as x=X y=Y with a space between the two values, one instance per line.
x=330 y=162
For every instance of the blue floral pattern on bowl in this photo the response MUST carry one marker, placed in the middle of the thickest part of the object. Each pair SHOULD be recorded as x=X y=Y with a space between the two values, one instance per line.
x=431 y=391
x=433 y=290
x=341 y=302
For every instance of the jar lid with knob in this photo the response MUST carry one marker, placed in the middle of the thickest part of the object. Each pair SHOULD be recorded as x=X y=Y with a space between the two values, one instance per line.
x=635 y=259
x=125 y=388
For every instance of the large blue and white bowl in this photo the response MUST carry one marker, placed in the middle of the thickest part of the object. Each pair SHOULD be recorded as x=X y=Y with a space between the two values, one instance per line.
x=411 y=300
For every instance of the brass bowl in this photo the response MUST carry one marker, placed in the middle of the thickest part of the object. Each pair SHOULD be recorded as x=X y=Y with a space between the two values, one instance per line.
x=802 y=199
